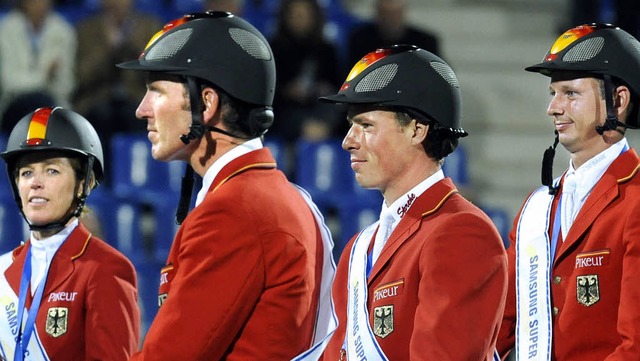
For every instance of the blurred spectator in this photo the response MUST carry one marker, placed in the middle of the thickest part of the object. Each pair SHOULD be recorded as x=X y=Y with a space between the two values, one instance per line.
x=107 y=96
x=37 y=58
x=388 y=27
x=623 y=13
x=307 y=66
x=233 y=6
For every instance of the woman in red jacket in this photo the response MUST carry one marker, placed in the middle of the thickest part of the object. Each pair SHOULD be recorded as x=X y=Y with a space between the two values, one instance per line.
x=66 y=294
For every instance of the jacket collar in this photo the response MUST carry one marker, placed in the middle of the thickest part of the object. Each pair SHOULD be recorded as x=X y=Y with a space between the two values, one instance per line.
x=424 y=206
x=61 y=265
x=606 y=190
x=260 y=158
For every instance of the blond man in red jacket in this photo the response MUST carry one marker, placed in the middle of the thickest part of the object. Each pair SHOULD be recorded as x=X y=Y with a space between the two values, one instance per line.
x=575 y=255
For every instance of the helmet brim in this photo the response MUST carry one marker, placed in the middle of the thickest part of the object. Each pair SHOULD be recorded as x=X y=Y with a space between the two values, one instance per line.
x=549 y=68
x=342 y=98
x=149 y=66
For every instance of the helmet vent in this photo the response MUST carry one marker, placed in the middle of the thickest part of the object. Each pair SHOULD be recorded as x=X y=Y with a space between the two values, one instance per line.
x=445 y=72
x=584 y=51
x=250 y=43
x=169 y=45
x=377 y=79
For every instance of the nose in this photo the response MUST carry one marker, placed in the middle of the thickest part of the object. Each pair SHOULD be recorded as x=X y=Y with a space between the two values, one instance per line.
x=555 y=106
x=144 y=108
x=350 y=139
x=36 y=181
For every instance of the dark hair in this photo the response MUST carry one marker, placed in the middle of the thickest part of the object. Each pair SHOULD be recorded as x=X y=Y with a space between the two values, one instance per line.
x=235 y=114
x=440 y=141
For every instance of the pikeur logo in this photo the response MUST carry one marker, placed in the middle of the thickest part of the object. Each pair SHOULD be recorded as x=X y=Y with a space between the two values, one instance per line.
x=387 y=290
x=62 y=296
x=593 y=259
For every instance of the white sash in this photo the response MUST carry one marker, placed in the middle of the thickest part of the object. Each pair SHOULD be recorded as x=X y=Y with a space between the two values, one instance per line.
x=359 y=339
x=533 y=266
x=326 y=320
x=9 y=319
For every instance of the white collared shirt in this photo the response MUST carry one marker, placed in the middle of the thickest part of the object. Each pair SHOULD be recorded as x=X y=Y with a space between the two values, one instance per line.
x=216 y=167
x=391 y=215
x=42 y=252
x=585 y=178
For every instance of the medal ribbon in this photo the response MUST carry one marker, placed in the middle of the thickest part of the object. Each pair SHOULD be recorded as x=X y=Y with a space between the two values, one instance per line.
x=23 y=337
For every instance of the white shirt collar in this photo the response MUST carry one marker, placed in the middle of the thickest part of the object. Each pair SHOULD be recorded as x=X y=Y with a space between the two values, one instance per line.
x=43 y=250
x=400 y=207
x=390 y=216
x=216 y=167
x=591 y=171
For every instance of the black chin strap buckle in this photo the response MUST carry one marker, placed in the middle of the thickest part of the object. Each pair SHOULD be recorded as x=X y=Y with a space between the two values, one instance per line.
x=196 y=131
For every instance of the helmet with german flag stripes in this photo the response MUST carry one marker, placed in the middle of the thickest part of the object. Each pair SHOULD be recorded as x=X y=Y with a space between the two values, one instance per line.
x=597 y=50
x=409 y=78
x=54 y=129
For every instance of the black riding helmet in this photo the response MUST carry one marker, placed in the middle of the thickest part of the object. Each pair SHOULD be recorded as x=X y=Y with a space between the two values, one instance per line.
x=55 y=129
x=405 y=77
x=215 y=48
x=221 y=49
x=598 y=50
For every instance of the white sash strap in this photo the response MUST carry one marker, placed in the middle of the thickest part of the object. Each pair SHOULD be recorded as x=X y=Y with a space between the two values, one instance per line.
x=9 y=319
x=326 y=320
x=533 y=265
x=359 y=339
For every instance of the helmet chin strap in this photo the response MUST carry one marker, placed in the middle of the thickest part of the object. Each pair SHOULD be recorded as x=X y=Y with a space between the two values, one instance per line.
x=547 y=166
x=611 y=122
x=196 y=131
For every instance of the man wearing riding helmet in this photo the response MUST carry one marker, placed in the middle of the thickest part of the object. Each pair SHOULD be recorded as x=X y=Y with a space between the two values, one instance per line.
x=244 y=276
x=67 y=295
x=426 y=282
x=575 y=256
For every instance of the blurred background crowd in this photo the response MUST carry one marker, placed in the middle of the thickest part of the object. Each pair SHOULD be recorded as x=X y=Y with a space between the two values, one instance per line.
x=63 y=52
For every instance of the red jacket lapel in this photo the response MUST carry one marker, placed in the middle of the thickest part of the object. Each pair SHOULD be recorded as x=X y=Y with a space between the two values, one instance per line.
x=605 y=191
x=425 y=205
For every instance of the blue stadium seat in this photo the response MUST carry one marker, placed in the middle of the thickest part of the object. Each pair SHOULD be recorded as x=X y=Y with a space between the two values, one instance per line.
x=279 y=151
x=5 y=188
x=353 y=218
x=456 y=166
x=121 y=223
x=148 y=272
x=13 y=227
x=137 y=176
x=502 y=221
x=323 y=169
